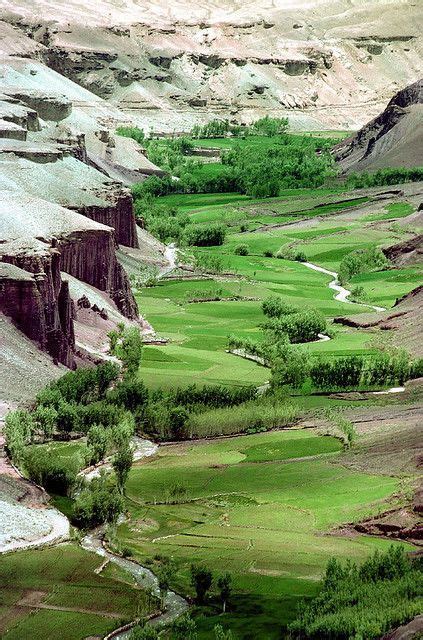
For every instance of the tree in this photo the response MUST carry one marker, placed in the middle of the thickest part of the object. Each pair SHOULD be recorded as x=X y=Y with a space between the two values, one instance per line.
x=163 y=576
x=201 y=580
x=130 y=350
x=178 y=417
x=100 y=501
x=184 y=628
x=18 y=430
x=45 y=418
x=122 y=463
x=97 y=442
x=225 y=588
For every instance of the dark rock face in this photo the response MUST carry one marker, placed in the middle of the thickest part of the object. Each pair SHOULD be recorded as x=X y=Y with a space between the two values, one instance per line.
x=118 y=215
x=90 y=257
x=356 y=149
x=34 y=296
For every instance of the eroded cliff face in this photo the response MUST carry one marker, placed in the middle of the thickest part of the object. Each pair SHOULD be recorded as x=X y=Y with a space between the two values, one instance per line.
x=33 y=294
x=36 y=251
x=324 y=64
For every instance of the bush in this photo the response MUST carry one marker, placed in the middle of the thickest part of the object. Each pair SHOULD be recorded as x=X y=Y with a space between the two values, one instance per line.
x=268 y=253
x=362 y=602
x=205 y=235
x=241 y=250
x=100 y=501
x=361 y=261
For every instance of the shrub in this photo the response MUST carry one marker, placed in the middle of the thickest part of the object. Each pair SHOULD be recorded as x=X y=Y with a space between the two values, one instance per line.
x=205 y=235
x=362 y=602
x=268 y=253
x=100 y=501
x=241 y=250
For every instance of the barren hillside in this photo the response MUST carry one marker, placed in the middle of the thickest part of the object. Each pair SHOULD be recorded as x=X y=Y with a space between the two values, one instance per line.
x=325 y=64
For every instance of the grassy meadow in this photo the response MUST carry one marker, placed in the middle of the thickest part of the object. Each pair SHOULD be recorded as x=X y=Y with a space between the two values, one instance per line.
x=58 y=592
x=261 y=507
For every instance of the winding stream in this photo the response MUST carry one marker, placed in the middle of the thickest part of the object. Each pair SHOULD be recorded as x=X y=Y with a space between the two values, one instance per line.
x=175 y=605
x=342 y=294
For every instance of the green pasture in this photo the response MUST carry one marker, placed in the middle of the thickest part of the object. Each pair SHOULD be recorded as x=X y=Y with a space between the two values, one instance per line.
x=64 y=576
x=253 y=508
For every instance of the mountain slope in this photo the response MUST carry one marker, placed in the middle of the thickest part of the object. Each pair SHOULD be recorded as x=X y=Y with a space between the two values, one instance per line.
x=326 y=64
x=393 y=139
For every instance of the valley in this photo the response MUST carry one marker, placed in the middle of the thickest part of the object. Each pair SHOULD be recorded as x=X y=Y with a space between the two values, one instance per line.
x=211 y=363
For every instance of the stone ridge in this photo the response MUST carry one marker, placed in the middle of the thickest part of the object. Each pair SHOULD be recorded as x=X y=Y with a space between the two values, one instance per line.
x=38 y=247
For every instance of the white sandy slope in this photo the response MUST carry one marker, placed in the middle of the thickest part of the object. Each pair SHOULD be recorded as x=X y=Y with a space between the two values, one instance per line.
x=23 y=527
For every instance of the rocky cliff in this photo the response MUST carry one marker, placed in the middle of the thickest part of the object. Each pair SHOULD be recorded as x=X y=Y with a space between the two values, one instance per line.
x=393 y=139
x=37 y=250
x=325 y=64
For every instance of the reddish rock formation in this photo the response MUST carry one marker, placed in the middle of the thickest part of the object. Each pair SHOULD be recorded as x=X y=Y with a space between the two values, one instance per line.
x=39 y=303
x=33 y=292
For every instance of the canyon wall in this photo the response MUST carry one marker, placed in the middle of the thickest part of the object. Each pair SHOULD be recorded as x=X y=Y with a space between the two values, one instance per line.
x=324 y=64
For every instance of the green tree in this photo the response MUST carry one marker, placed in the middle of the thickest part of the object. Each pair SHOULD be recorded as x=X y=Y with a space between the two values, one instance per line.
x=98 y=442
x=122 y=463
x=130 y=350
x=224 y=584
x=201 y=580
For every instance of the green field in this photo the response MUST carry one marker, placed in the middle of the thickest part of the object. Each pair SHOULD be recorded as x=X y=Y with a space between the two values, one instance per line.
x=252 y=508
x=55 y=593
x=198 y=331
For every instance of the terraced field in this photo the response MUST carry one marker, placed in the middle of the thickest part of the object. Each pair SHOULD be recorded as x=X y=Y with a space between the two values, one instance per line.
x=198 y=331
x=59 y=592
x=261 y=507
